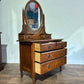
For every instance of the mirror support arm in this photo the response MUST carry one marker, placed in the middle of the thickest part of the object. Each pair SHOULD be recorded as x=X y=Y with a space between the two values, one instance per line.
x=23 y=18
x=44 y=24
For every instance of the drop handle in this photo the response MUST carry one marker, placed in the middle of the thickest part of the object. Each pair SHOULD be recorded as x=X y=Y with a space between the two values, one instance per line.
x=28 y=36
x=61 y=61
x=49 y=56
x=62 y=45
x=48 y=66
x=49 y=47
x=56 y=45
x=62 y=52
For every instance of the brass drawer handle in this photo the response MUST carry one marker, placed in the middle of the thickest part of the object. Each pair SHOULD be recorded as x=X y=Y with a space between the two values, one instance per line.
x=56 y=44
x=28 y=36
x=62 y=45
x=49 y=56
x=62 y=52
x=49 y=47
x=61 y=61
x=48 y=66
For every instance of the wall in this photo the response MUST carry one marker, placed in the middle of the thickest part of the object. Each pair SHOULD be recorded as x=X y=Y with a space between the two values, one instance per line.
x=64 y=19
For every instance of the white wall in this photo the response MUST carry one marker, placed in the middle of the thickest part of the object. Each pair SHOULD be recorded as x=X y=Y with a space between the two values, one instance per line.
x=64 y=19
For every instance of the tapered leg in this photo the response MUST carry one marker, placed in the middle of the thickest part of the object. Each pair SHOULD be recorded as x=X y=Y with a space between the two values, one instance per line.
x=21 y=71
x=34 y=80
x=1 y=67
x=60 y=68
x=33 y=63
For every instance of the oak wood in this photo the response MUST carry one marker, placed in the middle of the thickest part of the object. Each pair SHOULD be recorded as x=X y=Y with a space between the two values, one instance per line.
x=33 y=61
x=27 y=33
x=46 y=56
x=41 y=47
x=48 y=66
x=39 y=53
x=61 y=44
x=21 y=69
x=25 y=57
x=41 y=41
x=28 y=58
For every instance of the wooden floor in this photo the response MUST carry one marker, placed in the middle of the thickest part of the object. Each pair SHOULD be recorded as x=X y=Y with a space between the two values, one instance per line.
x=71 y=74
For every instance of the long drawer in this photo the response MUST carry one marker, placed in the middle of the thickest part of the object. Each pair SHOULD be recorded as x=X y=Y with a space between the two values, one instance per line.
x=46 y=56
x=48 y=66
x=42 y=47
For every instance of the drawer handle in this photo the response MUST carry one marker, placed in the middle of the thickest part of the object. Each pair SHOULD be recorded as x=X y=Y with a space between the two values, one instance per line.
x=49 y=47
x=61 y=61
x=49 y=56
x=28 y=36
x=48 y=66
x=62 y=45
x=62 y=52
x=56 y=44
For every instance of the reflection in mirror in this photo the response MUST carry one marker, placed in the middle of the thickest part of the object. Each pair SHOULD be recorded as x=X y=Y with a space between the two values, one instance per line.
x=34 y=15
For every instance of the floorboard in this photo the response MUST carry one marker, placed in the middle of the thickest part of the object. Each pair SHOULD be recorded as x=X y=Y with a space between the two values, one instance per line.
x=71 y=74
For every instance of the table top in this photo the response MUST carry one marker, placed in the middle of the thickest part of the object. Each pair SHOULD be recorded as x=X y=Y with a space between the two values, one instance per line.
x=41 y=41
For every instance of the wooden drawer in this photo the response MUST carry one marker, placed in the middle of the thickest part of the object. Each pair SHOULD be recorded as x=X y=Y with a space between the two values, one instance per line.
x=41 y=47
x=48 y=66
x=46 y=56
x=61 y=45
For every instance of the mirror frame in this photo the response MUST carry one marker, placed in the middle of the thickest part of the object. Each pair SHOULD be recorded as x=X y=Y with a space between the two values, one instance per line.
x=41 y=25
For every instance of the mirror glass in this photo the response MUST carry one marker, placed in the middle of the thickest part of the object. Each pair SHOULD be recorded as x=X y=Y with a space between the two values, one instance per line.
x=34 y=15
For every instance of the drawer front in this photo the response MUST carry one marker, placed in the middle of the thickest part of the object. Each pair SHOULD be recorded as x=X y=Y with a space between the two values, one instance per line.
x=28 y=36
x=49 y=46
x=61 y=45
x=43 y=57
x=48 y=66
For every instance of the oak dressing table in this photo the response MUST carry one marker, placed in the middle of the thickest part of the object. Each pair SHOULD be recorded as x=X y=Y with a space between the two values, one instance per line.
x=39 y=53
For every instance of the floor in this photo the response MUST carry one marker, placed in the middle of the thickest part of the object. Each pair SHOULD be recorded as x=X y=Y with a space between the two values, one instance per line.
x=71 y=74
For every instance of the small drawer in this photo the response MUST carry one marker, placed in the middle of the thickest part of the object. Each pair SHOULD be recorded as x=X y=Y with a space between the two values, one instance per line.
x=61 y=45
x=29 y=37
x=41 y=47
x=45 y=36
x=45 y=46
x=46 y=56
x=48 y=66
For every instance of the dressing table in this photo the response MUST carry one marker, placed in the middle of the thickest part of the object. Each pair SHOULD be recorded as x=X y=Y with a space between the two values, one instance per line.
x=39 y=53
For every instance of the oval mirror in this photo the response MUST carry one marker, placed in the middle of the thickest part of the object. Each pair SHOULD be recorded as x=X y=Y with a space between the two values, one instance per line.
x=34 y=15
